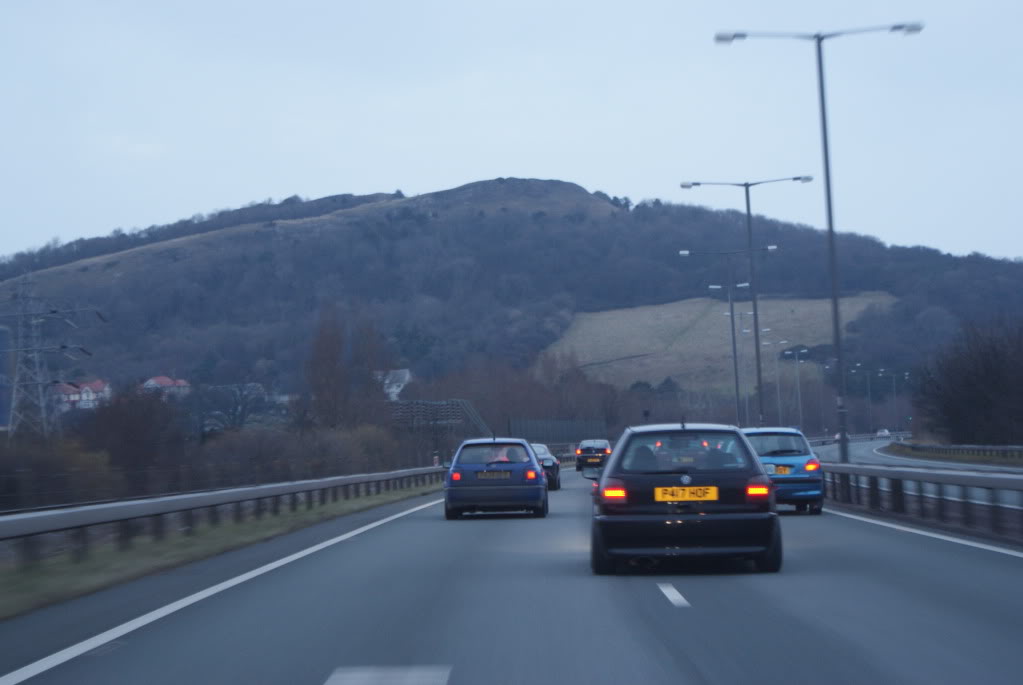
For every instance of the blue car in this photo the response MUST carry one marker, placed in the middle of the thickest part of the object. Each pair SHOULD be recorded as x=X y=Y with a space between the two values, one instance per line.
x=793 y=467
x=495 y=474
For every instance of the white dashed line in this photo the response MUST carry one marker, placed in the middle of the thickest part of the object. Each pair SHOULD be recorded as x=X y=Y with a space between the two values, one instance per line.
x=390 y=675
x=673 y=595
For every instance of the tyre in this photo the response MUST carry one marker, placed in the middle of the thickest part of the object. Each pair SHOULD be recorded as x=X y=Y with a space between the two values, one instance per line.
x=817 y=508
x=600 y=563
x=578 y=466
x=801 y=507
x=451 y=513
x=557 y=483
x=541 y=512
x=769 y=561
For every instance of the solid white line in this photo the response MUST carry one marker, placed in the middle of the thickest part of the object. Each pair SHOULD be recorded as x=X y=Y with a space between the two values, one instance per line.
x=925 y=533
x=65 y=655
x=390 y=675
x=673 y=595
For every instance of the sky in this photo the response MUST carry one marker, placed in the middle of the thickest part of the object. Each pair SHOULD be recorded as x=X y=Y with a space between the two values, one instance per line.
x=128 y=114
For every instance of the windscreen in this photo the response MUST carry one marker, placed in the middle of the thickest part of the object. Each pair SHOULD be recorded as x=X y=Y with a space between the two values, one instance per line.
x=685 y=452
x=496 y=453
x=541 y=450
x=594 y=444
x=779 y=444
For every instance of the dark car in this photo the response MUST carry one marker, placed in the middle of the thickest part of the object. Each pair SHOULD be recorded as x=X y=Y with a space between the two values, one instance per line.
x=495 y=474
x=793 y=467
x=591 y=454
x=684 y=490
x=551 y=465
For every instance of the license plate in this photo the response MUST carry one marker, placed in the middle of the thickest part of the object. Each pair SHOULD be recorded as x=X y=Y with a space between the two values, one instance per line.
x=782 y=470
x=593 y=460
x=686 y=494
x=493 y=475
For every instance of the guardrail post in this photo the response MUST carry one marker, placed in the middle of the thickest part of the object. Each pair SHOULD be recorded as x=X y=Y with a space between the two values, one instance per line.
x=333 y=494
x=188 y=522
x=158 y=527
x=346 y=491
x=843 y=486
x=898 y=495
x=939 y=505
x=293 y=501
x=996 y=511
x=308 y=499
x=239 y=512
x=125 y=534
x=873 y=493
x=28 y=552
x=964 y=493
x=275 y=505
x=858 y=489
x=79 y=544
x=257 y=508
x=921 y=500
x=213 y=515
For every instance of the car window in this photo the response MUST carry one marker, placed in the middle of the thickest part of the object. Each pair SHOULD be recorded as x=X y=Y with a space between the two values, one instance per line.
x=493 y=453
x=779 y=444
x=684 y=451
x=600 y=444
x=541 y=450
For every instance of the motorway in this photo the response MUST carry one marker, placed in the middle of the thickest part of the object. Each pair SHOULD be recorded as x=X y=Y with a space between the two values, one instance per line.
x=507 y=599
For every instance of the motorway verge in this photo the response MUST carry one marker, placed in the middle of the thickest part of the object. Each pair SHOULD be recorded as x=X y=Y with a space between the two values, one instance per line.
x=60 y=577
x=992 y=456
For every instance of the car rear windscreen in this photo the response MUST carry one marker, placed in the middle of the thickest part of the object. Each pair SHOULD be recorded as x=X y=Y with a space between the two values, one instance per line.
x=778 y=444
x=685 y=452
x=493 y=453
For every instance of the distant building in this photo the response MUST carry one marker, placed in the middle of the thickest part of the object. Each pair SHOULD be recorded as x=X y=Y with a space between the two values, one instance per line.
x=167 y=386
x=394 y=381
x=81 y=395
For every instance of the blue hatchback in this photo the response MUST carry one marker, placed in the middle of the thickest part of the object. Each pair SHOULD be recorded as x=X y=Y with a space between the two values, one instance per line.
x=793 y=467
x=497 y=474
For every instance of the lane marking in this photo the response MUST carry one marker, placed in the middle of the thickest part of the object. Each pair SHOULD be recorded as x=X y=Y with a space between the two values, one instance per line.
x=56 y=659
x=673 y=595
x=925 y=533
x=390 y=675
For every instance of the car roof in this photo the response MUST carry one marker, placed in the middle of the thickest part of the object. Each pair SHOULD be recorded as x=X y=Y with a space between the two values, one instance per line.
x=766 y=429
x=661 y=427
x=487 y=441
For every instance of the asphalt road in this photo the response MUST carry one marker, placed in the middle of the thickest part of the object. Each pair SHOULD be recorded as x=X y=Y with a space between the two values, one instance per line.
x=508 y=599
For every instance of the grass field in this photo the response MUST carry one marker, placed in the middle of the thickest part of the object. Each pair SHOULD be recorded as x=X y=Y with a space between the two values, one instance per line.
x=59 y=578
x=690 y=341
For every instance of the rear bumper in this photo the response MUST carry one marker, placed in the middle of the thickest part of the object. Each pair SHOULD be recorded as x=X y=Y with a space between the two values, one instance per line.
x=495 y=497
x=798 y=491
x=741 y=534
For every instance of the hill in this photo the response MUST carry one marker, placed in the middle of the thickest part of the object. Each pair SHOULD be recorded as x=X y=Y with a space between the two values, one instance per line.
x=494 y=270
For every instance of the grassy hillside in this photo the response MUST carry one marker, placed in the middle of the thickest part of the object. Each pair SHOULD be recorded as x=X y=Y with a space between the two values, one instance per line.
x=690 y=341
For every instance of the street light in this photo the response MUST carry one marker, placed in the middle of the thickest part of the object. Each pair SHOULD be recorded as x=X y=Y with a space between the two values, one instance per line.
x=907 y=28
x=777 y=378
x=799 y=388
x=746 y=185
x=731 y=321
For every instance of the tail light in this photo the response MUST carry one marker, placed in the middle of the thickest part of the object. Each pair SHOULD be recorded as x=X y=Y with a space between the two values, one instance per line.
x=812 y=465
x=758 y=490
x=578 y=452
x=607 y=450
x=613 y=491
x=530 y=474
x=455 y=475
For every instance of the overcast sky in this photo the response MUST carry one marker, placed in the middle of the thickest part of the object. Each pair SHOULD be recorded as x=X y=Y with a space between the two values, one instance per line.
x=126 y=114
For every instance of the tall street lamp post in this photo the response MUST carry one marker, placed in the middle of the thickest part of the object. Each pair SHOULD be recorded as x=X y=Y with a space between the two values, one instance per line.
x=836 y=324
x=799 y=388
x=777 y=378
x=735 y=354
x=746 y=185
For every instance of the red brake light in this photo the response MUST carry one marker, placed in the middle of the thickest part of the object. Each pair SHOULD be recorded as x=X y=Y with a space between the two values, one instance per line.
x=812 y=465
x=455 y=475
x=530 y=474
x=607 y=450
x=758 y=490
x=614 y=491
x=578 y=451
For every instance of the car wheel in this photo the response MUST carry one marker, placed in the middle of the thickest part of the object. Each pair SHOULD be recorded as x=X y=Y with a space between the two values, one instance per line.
x=769 y=561
x=817 y=508
x=541 y=512
x=801 y=507
x=451 y=514
x=557 y=482
x=600 y=563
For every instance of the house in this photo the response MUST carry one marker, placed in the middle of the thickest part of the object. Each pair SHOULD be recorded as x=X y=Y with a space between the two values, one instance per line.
x=167 y=386
x=89 y=395
x=394 y=381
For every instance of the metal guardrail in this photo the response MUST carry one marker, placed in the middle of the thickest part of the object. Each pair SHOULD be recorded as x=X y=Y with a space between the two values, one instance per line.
x=1007 y=452
x=25 y=528
x=970 y=499
x=860 y=437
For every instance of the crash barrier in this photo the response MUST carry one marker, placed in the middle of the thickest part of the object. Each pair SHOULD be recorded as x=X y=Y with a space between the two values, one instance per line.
x=986 y=502
x=184 y=511
x=1003 y=452
x=861 y=437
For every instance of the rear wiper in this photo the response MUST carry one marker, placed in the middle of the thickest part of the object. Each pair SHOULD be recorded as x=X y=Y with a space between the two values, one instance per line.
x=498 y=461
x=778 y=453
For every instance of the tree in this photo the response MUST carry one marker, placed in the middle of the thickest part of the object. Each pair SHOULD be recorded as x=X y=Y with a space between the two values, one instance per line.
x=326 y=374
